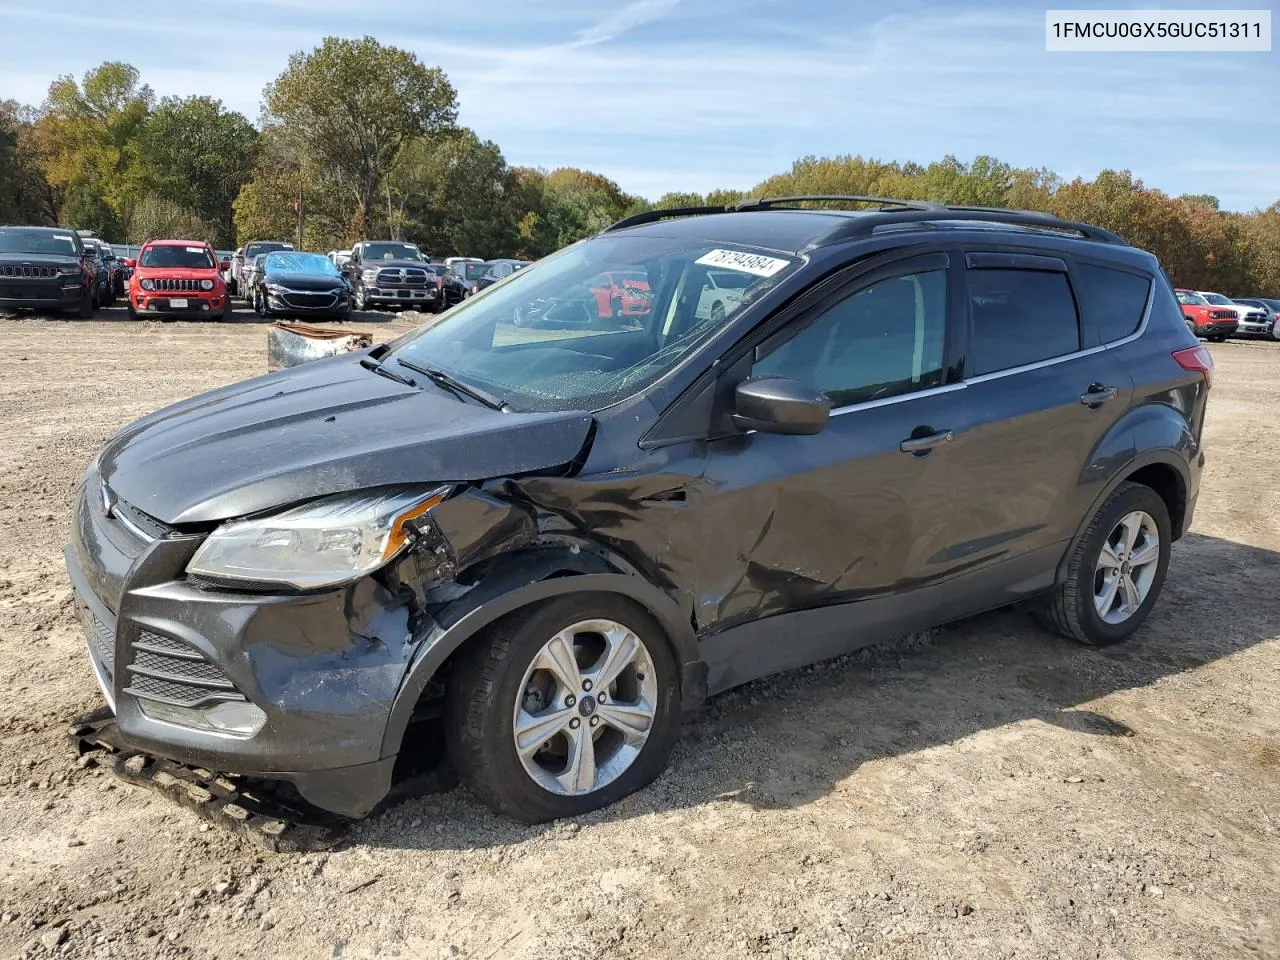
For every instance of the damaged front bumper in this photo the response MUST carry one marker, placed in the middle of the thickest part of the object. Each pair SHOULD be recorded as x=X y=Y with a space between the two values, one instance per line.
x=322 y=669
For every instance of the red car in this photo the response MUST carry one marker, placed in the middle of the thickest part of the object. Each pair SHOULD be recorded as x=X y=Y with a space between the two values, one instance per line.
x=622 y=295
x=178 y=278
x=1206 y=320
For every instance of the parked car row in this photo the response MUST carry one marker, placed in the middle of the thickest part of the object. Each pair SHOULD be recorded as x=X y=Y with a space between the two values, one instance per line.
x=1216 y=317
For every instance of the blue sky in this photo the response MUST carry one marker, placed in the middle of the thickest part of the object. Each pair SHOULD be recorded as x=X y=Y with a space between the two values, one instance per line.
x=695 y=94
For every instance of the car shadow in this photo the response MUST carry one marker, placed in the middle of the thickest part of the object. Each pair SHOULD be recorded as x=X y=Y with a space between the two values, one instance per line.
x=785 y=741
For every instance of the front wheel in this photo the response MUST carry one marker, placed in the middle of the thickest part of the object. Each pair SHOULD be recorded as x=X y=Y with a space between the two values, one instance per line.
x=1115 y=571
x=564 y=707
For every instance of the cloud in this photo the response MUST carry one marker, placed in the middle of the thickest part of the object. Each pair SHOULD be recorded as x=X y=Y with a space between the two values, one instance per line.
x=634 y=14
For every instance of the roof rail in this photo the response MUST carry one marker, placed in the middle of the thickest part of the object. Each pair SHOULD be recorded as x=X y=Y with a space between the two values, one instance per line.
x=767 y=203
x=865 y=225
x=907 y=211
x=652 y=216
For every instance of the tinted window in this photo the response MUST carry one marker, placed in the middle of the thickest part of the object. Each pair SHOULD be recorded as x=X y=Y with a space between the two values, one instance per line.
x=190 y=258
x=17 y=240
x=264 y=246
x=390 y=251
x=1114 y=300
x=1019 y=317
x=884 y=340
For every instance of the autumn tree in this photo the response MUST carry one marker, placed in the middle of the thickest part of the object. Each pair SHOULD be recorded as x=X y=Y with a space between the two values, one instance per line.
x=89 y=136
x=199 y=155
x=352 y=105
x=25 y=195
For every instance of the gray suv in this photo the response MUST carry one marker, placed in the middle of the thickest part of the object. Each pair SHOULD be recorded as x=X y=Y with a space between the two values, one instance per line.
x=544 y=543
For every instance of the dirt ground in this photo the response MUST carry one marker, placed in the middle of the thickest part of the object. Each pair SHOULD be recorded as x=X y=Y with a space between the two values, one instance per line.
x=992 y=792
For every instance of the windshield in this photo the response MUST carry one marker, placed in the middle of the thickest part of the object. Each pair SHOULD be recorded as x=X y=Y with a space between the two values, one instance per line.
x=561 y=336
x=1217 y=299
x=300 y=263
x=264 y=246
x=475 y=270
x=17 y=240
x=391 y=251
x=191 y=258
x=1191 y=299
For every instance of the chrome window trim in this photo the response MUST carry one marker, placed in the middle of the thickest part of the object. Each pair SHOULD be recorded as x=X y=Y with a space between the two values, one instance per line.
x=899 y=398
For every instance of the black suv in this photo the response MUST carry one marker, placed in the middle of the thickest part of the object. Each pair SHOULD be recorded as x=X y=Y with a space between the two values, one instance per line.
x=551 y=541
x=46 y=268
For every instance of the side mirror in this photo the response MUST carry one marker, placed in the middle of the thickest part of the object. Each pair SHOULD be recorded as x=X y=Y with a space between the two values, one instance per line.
x=780 y=405
x=130 y=262
x=224 y=265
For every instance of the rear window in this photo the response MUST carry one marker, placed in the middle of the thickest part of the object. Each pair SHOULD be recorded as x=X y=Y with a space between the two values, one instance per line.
x=1114 y=300
x=1020 y=317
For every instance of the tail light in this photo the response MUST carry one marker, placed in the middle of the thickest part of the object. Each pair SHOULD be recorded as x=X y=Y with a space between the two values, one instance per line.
x=1196 y=358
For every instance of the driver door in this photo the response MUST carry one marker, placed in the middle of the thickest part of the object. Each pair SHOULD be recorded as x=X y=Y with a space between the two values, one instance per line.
x=801 y=523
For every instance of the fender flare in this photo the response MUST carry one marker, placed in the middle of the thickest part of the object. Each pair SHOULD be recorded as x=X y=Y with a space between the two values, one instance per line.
x=1164 y=456
x=536 y=576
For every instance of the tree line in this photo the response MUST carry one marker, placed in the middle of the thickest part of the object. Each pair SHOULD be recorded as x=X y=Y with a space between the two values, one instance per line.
x=357 y=140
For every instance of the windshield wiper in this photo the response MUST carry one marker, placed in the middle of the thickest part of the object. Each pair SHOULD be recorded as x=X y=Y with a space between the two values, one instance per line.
x=371 y=364
x=440 y=378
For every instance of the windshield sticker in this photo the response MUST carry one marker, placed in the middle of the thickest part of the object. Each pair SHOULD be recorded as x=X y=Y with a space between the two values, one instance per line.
x=195 y=249
x=62 y=236
x=754 y=263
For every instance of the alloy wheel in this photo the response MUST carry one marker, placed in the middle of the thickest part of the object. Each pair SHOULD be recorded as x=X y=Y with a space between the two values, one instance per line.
x=585 y=707
x=1126 y=567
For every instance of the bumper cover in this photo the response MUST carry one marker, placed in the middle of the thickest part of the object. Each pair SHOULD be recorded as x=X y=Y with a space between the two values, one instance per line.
x=325 y=668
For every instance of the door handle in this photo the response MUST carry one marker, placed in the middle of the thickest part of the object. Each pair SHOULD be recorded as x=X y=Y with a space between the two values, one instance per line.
x=1097 y=395
x=922 y=445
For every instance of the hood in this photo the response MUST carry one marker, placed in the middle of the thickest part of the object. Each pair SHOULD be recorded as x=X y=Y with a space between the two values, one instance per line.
x=304 y=281
x=393 y=264
x=178 y=273
x=324 y=427
x=39 y=259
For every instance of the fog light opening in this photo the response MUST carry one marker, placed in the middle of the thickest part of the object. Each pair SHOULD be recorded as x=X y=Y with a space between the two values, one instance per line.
x=233 y=717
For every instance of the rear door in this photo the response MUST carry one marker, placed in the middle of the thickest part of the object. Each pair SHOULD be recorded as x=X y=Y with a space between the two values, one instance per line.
x=1042 y=391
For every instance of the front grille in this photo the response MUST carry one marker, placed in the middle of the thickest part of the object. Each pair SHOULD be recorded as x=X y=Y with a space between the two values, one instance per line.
x=165 y=283
x=395 y=277
x=171 y=671
x=27 y=271
x=310 y=301
x=30 y=291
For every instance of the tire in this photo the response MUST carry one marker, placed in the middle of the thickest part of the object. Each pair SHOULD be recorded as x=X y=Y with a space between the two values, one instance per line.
x=1071 y=608
x=485 y=689
x=133 y=314
x=360 y=301
x=1216 y=339
x=88 y=304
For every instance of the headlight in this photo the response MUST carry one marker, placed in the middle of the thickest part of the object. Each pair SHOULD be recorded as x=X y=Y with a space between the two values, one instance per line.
x=69 y=271
x=206 y=284
x=370 y=276
x=320 y=544
x=146 y=284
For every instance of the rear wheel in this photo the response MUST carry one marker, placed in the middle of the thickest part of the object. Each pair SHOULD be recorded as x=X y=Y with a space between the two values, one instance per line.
x=1115 y=571
x=563 y=708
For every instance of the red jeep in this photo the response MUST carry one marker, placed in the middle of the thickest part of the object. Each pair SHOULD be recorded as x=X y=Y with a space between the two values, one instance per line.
x=1206 y=320
x=621 y=295
x=178 y=278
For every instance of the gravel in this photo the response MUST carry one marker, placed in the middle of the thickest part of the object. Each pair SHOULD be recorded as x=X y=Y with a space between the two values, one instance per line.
x=985 y=791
